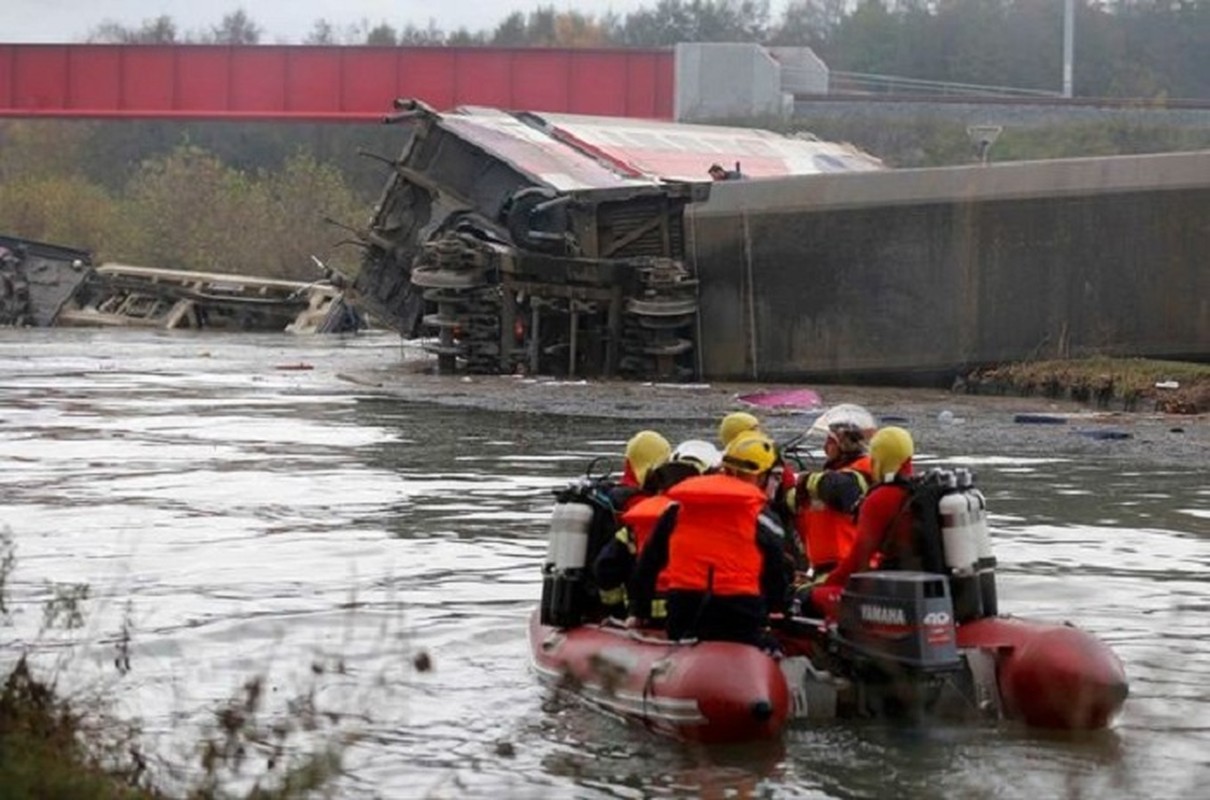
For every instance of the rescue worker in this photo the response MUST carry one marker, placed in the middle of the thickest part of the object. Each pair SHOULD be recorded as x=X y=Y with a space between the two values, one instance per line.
x=734 y=424
x=719 y=550
x=645 y=452
x=614 y=565
x=720 y=173
x=778 y=484
x=884 y=521
x=825 y=501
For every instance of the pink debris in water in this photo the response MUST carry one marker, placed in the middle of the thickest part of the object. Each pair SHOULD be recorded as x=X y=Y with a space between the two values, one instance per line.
x=788 y=399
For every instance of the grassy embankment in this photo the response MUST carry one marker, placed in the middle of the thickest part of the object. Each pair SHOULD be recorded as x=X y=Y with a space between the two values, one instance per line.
x=1131 y=384
x=47 y=749
x=56 y=747
x=51 y=748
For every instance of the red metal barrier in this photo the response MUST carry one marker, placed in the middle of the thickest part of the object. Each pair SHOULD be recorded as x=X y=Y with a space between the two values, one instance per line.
x=323 y=82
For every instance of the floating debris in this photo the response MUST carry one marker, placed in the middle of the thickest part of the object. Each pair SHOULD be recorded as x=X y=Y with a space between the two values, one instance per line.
x=1039 y=419
x=784 y=399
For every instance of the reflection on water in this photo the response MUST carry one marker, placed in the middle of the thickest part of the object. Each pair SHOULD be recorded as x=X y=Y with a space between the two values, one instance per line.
x=261 y=521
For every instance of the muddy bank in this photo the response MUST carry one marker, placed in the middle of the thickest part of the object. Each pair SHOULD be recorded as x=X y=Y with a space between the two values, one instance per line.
x=1125 y=384
x=945 y=423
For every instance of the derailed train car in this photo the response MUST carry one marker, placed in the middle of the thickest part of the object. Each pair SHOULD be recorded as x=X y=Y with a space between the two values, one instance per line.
x=46 y=285
x=37 y=279
x=555 y=244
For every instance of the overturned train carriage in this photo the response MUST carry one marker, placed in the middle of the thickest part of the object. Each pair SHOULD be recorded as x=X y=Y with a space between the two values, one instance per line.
x=514 y=251
x=553 y=244
x=38 y=279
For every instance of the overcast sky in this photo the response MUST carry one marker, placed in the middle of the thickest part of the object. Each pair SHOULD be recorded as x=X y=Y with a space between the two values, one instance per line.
x=285 y=21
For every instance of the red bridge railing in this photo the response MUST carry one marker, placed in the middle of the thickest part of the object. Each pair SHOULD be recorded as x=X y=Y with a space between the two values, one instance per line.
x=299 y=82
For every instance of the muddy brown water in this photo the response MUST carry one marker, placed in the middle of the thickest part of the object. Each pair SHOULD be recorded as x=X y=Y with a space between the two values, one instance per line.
x=319 y=512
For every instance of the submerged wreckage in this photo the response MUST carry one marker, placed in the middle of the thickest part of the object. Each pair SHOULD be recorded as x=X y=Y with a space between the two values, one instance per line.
x=44 y=285
x=556 y=243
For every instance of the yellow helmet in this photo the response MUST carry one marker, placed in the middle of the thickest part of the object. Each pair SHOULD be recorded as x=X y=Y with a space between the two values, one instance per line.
x=890 y=449
x=751 y=453
x=645 y=451
x=734 y=424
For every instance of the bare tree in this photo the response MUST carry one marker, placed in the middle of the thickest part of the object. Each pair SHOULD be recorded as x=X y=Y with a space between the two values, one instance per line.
x=161 y=30
x=382 y=35
x=236 y=28
x=322 y=32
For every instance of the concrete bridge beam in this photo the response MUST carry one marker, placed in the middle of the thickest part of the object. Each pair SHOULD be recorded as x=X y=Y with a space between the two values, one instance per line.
x=921 y=274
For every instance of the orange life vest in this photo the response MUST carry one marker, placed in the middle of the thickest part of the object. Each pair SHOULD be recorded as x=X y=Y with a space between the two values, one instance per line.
x=713 y=546
x=827 y=534
x=641 y=518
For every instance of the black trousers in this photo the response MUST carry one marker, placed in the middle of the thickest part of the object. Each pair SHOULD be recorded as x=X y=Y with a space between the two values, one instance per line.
x=733 y=618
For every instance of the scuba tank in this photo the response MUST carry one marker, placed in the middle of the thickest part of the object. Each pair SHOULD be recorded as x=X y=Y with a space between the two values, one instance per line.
x=564 y=572
x=986 y=560
x=959 y=536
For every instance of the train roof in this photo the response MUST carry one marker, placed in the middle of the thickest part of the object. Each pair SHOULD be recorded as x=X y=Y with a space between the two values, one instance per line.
x=572 y=152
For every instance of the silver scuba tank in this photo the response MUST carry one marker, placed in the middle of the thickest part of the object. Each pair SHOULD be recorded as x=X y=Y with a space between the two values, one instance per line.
x=563 y=570
x=959 y=541
x=986 y=560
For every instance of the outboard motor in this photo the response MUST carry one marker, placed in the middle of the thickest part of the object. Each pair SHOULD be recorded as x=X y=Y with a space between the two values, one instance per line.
x=582 y=518
x=986 y=560
x=896 y=630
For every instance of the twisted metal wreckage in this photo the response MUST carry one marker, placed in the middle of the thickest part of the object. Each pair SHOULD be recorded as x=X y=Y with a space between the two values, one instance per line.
x=556 y=243
x=45 y=285
x=513 y=241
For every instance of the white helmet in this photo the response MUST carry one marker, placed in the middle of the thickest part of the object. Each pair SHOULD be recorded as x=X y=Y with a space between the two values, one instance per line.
x=849 y=414
x=698 y=452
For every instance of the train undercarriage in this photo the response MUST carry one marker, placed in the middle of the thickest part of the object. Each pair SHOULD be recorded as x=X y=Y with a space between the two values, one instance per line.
x=510 y=252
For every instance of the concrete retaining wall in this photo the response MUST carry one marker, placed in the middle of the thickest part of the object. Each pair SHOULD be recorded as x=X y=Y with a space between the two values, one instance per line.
x=717 y=81
x=921 y=274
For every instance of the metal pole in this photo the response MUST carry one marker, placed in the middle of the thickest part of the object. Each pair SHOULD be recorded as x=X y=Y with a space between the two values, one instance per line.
x=535 y=337
x=751 y=292
x=1069 y=24
x=575 y=325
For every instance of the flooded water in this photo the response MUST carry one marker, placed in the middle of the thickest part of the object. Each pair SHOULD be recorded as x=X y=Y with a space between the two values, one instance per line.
x=245 y=510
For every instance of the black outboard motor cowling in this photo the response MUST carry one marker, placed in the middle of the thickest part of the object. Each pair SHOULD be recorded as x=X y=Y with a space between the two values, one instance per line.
x=896 y=630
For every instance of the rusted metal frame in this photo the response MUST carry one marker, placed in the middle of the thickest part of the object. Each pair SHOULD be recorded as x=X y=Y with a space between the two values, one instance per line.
x=560 y=271
x=195 y=278
x=603 y=294
x=637 y=233
x=581 y=279
x=181 y=311
x=535 y=337
x=666 y=228
x=508 y=322
x=423 y=182
x=177 y=291
x=587 y=231
x=614 y=324
x=573 y=332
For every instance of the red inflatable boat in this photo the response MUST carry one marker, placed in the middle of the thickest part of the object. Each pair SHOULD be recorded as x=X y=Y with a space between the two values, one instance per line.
x=908 y=644
x=710 y=692
x=1041 y=674
x=1044 y=675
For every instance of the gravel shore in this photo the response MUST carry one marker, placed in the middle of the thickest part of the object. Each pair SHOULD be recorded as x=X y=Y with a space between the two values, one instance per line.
x=945 y=423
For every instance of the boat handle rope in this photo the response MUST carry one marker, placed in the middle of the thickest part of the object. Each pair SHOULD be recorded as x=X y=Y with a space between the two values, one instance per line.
x=658 y=668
